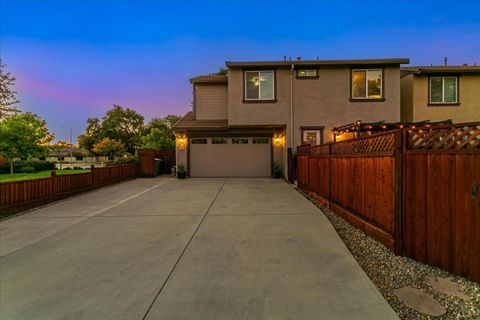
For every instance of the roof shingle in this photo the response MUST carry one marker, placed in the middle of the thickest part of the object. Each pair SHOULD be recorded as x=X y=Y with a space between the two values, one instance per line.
x=188 y=121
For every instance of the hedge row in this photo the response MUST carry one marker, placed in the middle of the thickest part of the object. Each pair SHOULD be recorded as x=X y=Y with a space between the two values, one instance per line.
x=37 y=165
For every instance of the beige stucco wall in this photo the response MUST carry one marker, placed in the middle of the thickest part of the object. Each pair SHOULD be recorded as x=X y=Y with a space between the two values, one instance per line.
x=406 y=98
x=467 y=111
x=326 y=102
x=240 y=113
x=211 y=101
x=181 y=153
x=317 y=102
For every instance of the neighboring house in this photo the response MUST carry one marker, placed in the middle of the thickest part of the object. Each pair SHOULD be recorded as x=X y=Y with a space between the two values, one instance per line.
x=244 y=122
x=438 y=93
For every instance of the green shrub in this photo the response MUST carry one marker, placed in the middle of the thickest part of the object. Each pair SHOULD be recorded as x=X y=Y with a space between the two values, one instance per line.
x=27 y=169
x=67 y=168
x=126 y=159
x=38 y=165
x=77 y=168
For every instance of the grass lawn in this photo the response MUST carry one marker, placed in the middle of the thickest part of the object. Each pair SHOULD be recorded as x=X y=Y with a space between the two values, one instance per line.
x=42 y=174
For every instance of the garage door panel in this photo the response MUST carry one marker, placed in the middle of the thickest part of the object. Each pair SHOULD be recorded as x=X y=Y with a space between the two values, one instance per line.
x=230 y=160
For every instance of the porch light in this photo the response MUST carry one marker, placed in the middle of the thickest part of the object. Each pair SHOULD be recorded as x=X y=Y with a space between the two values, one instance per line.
x=181 y=141
x=278 y=140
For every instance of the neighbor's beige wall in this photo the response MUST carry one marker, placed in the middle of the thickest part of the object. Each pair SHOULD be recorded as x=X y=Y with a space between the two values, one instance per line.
x=469 y=98
x=406 y=98
x=317 y=102
x=211 y=101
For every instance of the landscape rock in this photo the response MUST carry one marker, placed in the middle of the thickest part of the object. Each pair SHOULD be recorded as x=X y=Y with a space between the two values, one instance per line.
x=420 y=301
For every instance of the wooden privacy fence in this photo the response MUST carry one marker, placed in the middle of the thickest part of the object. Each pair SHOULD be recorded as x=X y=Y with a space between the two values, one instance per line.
x=146 y=158
x=414 y=190
x=17 y=196
x=360 y=180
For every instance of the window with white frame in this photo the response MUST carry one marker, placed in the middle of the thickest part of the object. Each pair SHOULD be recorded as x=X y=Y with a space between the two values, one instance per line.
x=259 y=85
x=311 y=137
x=367 y=84
x=443 y=90
x=304 y=73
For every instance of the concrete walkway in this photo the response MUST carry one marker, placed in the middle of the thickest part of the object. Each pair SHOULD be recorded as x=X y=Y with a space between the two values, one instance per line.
x=182 y=249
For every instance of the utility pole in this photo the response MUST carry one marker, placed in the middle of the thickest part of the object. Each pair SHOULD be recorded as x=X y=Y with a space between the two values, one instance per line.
x=71 y=144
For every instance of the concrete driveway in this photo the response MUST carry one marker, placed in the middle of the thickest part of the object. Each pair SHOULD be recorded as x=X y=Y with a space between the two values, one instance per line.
x=182 y=249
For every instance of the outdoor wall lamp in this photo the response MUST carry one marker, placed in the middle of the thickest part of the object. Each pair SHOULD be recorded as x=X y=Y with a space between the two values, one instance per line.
x=278 y=140
x=181 y=142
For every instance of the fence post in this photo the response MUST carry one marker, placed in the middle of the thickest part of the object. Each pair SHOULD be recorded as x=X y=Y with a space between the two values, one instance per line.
x=399 y=185
x=54 y=185
x=329 y=174
x=309 y=189
x=92 y=169
x=290 y=165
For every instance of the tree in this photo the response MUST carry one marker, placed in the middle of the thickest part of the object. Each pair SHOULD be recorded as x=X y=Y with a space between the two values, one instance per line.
x=59 y=149
x=7 y=95
x=221 y=72
x=164 y=124
x=109 y=148
x=93 y=134
x=125 y=125
x=157 y=139
x=23 y=135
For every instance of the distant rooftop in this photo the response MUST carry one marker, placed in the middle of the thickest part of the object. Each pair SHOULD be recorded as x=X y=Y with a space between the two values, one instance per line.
x=287 y=63
x=440 y=69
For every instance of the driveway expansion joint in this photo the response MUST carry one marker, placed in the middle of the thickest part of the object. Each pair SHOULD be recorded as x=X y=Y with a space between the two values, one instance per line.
x=184 y=250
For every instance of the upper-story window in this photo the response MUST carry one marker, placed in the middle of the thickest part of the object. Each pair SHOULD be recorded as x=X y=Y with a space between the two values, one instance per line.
x=367 y=84
x=443 y=90
x=259 y=85
x=307 y=73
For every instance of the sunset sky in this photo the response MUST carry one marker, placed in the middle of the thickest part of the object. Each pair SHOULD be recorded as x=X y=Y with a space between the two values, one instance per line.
x=75 y=59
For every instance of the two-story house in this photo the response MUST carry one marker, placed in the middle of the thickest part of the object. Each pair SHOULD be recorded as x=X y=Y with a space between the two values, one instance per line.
x=244 y=122
x=438 y=93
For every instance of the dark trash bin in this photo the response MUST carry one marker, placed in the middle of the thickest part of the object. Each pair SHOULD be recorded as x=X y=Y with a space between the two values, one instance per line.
x=159 y=166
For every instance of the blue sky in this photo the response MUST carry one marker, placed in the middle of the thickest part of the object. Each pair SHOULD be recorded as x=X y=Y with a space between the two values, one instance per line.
x=75 y=59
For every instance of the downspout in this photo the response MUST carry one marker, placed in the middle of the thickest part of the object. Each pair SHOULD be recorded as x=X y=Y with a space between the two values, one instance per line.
x=291 y=115
x=291 y=105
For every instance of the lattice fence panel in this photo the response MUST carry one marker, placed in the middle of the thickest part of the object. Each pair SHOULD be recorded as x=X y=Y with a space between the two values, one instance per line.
x=374 y=144
x=445 y=138
x=303 y=149
x=320 y=150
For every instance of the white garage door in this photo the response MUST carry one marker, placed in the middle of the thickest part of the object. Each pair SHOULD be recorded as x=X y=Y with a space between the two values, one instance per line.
x=230 y=157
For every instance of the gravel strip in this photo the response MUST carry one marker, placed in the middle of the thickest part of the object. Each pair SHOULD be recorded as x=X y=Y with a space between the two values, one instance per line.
x=389 y=272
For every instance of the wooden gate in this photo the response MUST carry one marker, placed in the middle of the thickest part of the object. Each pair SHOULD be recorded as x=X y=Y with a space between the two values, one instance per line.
x=441 y=202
